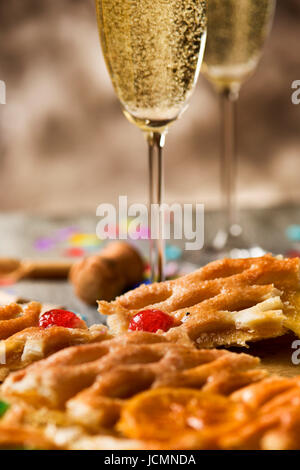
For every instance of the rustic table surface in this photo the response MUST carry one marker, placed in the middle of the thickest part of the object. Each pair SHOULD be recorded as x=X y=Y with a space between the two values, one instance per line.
x=20 y=232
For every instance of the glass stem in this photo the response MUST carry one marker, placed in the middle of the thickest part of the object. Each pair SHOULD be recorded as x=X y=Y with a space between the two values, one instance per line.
x=229 y=100
x=156 y=141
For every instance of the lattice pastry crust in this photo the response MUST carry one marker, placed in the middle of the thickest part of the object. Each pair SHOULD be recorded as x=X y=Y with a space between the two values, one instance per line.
x=140 y=391
x=261 y=416
x=22 y=341
x=227 y=302
x=91 y=384
x=34 y=344
x=14 y=318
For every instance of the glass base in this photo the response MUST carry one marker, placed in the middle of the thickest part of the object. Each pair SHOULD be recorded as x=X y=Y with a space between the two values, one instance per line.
x=233 y=245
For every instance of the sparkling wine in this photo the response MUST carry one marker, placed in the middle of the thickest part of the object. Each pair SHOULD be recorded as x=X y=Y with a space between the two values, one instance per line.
x=153 y=50
x=236 y=33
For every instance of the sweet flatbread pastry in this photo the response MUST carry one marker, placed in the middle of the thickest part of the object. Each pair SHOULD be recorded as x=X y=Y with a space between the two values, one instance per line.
x=91 y=384
x=34 y=344
x=262 y=416
x=140 y=391
x=92 y=380
x=23 y=340
x=227 y=302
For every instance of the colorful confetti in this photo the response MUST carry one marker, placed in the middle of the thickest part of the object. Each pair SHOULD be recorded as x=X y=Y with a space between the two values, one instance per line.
x=63 y=234
x=73 y=243
x=84 y=240
x=60 y=235
x=74 y=252
x=44 y=244
x=293 y=233
x=6 y=281
x=70 y=240
x=173 y=252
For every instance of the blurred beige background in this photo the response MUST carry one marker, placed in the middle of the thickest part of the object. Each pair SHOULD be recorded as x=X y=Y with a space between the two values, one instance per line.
x=65 y=146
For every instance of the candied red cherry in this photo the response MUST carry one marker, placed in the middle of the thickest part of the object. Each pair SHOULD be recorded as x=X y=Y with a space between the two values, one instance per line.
x=151 y=321
x=58 y=317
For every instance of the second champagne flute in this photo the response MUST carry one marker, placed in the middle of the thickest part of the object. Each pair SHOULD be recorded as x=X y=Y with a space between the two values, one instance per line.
x=153 y=51
x=237 y=30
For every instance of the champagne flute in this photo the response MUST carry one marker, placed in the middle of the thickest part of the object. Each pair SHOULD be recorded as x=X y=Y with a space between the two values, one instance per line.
x=153 y=51
x=236 y=33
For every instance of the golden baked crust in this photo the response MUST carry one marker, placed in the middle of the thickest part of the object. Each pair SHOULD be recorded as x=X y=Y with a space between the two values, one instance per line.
x=15 y=437
x=140 y=391
x=34 y=344
x=229 y=302
x=22 y=341
x=261 y=416
x=14 y=318
x=95 y=378
x=89 y=385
